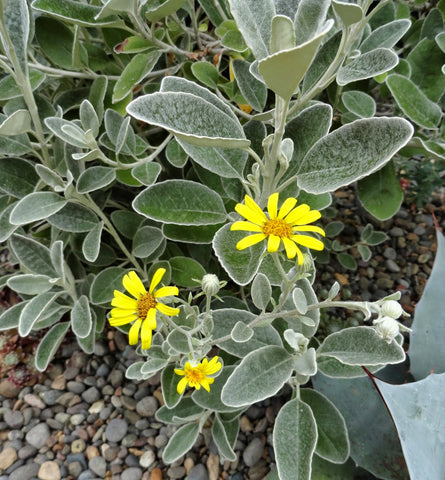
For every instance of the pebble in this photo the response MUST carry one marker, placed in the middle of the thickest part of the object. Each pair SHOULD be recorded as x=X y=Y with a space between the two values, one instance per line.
x=147 y=458
x=49 y=471
x=7 y=457
x=34 y=401
x=78 y=446
x=98 y=465
x=116 y=430
x=198 y=472
x=147 y=407
x=14 y=419
x=392 y=266
x=50 y=397
x=91 y=395
x=176 y=472
x=132 y=473
x=253 y=452
x=27 y=451
x=38 y=435
x=25 y=472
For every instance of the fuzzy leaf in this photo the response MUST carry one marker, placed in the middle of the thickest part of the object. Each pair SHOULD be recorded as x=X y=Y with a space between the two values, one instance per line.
x=181 y=442
x=32 y=255
x=49 y=345
x=95 y=178
x=36 y=206
x=91 y=242
x=33 y=311
x=81 y=319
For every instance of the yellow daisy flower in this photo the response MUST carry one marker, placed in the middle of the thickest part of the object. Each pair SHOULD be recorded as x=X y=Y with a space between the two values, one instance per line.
x=282 y=225
x=197 y=376
x=141 y=309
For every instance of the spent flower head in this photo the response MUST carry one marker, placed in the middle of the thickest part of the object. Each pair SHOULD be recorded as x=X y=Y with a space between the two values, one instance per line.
x=197 y=376
x=142 y=309
x=280 y=226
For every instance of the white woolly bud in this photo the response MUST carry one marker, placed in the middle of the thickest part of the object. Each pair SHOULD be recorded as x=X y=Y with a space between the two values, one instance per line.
x=210 y=284
x=392 y=309
x=387 y=328
x=296 y=340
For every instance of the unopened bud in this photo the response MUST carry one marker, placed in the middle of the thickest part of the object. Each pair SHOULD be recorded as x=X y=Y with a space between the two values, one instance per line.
x=387 y=328
x=392 y=309
x=210 y=284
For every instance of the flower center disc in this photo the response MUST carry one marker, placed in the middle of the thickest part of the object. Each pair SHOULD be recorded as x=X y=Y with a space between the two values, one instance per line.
x=146 y=303
x=195 y=375
x=277 y=227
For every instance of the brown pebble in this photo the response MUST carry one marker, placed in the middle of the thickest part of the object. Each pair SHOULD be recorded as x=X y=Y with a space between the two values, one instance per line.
x=156 y=474
x=188 y=464
x=91 y=452
x=49 y=471
x=7 y=457
x=245 y=424
x=82 y=433
x=212 y=465
x=59 y=383
x=158 y=395
x=33 y=401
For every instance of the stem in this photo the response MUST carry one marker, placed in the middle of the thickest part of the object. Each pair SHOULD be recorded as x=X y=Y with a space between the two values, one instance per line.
x=195 y=24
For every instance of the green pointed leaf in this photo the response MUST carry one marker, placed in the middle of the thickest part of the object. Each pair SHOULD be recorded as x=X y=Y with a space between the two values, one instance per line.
x=202 y=234
x=185 y=411
x=359 y=103
x=282 y=34
x=9 y=89
x=190 y=118
x=30 y=284
x=159 y=10
x=294 y=440
x=352 y=152
x=254 y=91
x=247 y=383
x=10 y=317
x=361 y=346
x=333 y=442
x=425 y=351
x=415 y=409
x=284 y=70
x=219 y=436
x=207 y=74
x=146 y=241
x=17 y=177
x=413 y=102
x=367 y=65
x=33 y=311
x=17 y=23
x=67 y=131
x=348 y=12
x=225 y=320
x=147 y=173
x=80 y=14
x=91 y=243
x=186 y=271
x=381 y=193
x=36 y=206
x=180 y=202
x=81 y=319
x=74 y=218
x=49 y=345
x=241 y=265
x=181 y=442
x=254 y=20
x=175 y=154
x=261 y=291
x=105 y=283
x=385 y=36
x=95 y=178
x=331 y=367
x=169 y=382
x=139 y=66
x=16 y=123
x=32 y=255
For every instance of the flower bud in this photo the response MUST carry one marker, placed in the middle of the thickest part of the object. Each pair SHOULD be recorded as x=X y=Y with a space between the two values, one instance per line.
x=210 y=284
x=392 y=309
x=387 y=328
x=296 y=340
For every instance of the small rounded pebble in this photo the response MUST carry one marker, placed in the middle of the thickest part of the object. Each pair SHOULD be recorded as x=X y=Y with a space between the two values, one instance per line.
x=38 y=435
x=132 y=473
x=116 y=430
x=147 y=458
x=147 y=407
x=7 y=457
x=49 y=471
x=98 y=466
x=198 y=472
x=253 y=452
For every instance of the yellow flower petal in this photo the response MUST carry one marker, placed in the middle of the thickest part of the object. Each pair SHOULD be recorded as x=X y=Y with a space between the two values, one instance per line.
x=146 y=334
x=299 y=256
x=309 y=217
x=310 y=228
x=246 y=226
x=309 y=242
x=166 y=292
x=133 y=284
x=287 y=206
x=133 y=334
x=157 y=277
x=178 y=371
x=296 y=213
x=150 y=319
x=166 y=310
x=181 y=385
x=273 y=243
x=206 y=383
x=122 y=312
x=252 y=215
x=250 y=240
x=123 y=301
x=272 y=205
x=117 y=322
x=250 y=203
x=211 y=367
x=291 y=248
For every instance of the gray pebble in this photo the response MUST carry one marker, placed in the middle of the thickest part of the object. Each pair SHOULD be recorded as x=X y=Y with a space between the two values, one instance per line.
x=38 y=435
x=392 y=266
x=105 y=413
x=103 y=370
x=396 y=232
x=25 y=472
x=70 y=373
x=50 y=397
x=98 y=465
x=75 y=387
x=147 y=458
x=147 y=406
x=13 y=418
x=198 y=472
x=161 y=440
x=86 y=475
x=107 y=390
x=419 y=230
x=75 y=469
x=116 y=378
x=91 y=395
x=132 y=473
x=390 y=253
x=27 y=451
x=253 y=452
x=142 y=424
x=77 y=419
x=116 y=430
x=176 y=472
x=100 y=349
